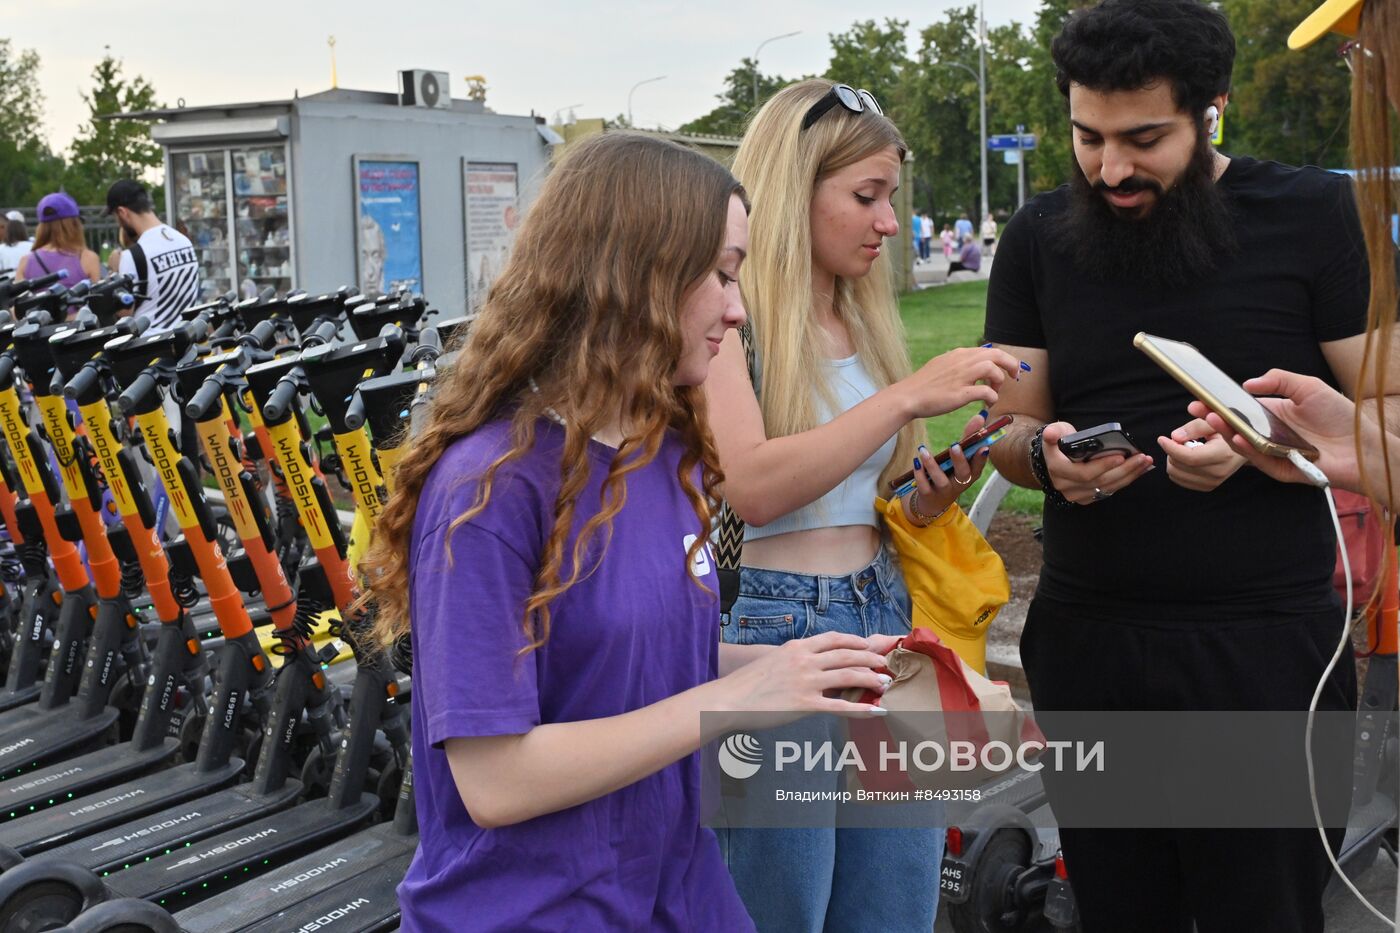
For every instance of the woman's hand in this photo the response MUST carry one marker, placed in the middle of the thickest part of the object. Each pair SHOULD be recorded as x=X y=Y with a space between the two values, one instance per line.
x=797 y=677
x=1320 y=414
x=935 y=489
x=1198 y=458
x=948 y=382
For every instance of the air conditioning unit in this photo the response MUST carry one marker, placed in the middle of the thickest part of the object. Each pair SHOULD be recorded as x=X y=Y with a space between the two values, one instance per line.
x=421 y=88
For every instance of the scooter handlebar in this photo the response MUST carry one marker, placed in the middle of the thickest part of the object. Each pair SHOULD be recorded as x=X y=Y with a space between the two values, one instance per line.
x=141 y=387
x=83 y=383
x=355 y=412
x=206 y=397
x=281 y=399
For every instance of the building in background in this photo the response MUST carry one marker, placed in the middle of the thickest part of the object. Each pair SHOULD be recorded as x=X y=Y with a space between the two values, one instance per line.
x=414 y=190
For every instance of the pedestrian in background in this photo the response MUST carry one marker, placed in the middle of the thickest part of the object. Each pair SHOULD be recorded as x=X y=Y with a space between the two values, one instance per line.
x=59 y=243
x=17 y=242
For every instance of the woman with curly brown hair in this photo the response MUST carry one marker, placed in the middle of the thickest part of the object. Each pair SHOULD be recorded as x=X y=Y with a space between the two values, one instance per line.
x=546 y=550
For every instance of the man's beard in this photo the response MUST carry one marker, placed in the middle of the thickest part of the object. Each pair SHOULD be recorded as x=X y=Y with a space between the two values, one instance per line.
x=131 y=235
x=1187 y=232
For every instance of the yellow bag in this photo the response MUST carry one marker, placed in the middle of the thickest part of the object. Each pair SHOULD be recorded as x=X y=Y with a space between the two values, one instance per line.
x=956 y=581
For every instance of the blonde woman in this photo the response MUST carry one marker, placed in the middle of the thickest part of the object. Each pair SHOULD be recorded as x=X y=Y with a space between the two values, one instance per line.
x=59 y=244
x=831 y=415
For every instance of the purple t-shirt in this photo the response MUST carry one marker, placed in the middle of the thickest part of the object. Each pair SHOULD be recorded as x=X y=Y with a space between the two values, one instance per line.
x=634 y=632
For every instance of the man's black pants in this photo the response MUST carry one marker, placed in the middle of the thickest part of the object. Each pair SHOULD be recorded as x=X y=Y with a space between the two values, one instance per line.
x=1226 y=880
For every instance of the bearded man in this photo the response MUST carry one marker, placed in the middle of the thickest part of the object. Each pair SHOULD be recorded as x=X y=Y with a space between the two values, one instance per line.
x=1176 y=578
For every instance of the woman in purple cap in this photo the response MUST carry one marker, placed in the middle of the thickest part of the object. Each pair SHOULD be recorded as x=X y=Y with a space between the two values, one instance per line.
x=59 y=243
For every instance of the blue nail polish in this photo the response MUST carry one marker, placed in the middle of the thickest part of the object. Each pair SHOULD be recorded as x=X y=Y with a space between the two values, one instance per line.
x=988 y=346
x=982 y=413
x=917 y=464
x=956 y=447
x=1025 y=367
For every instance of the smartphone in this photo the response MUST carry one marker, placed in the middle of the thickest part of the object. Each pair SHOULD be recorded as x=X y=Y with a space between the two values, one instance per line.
x=991 y=432
x=1224 y=396
x=1102 y=440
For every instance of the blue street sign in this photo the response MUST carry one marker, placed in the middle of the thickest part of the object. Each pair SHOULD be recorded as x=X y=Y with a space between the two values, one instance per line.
x=1011 y=141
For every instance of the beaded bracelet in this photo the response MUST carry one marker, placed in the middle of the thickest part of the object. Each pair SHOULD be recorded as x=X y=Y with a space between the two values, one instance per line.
x=1042 y=473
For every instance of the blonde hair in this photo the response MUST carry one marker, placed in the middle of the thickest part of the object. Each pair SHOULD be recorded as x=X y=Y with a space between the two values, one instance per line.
x=64 y=235
x=582 y=321
x=780 y=165
x=1375 y=99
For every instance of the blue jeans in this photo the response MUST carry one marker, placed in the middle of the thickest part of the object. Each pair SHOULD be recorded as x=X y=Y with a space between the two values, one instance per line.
x=835 y=880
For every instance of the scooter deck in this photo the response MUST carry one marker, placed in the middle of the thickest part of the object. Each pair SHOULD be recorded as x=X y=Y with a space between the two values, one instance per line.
x=290 y=891
x=174 y=828
x=63 y=781
x=114 y=806
x=31 y=736
x=186 y=872
x=10 y=699
x=367 y=904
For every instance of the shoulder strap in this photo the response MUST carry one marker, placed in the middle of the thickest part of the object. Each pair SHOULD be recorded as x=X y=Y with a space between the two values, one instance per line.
x=138 y=258
x=729 y=550
x=40 y=260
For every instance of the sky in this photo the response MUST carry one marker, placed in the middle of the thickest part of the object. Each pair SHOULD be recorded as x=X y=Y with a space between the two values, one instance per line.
x=543 y=56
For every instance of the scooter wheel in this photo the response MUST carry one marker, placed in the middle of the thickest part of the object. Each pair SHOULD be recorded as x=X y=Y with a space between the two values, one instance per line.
x=46 y=905
x=386 y=787
x=991 y=905
x=191 y=730
x=316 y=774
x=126 y=697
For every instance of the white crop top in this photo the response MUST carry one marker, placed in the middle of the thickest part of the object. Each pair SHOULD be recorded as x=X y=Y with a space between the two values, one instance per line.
x=852 y=502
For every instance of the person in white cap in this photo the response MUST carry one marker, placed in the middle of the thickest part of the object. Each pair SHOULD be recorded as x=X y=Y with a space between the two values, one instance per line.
x=16 y=242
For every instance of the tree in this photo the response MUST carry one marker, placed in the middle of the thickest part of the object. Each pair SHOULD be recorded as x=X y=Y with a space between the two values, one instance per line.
x=28 y=168
x=937 y=112
x=1288 y=106
x=21 y=100
x=736 y=103
x=872 y=57
x=105 y=150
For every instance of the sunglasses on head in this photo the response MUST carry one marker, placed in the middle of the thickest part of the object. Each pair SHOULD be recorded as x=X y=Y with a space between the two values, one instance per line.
x=856 y=101
x=1348 y=52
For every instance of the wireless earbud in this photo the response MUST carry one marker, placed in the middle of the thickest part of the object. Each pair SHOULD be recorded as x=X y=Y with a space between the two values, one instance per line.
x=1212 y=119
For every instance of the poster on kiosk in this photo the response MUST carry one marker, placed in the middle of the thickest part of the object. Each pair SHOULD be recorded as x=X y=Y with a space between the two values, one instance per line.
x=388 y=233
x=492 y=212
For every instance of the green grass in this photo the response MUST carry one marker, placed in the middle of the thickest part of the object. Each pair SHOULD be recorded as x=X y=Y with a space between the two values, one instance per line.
x=938 y=320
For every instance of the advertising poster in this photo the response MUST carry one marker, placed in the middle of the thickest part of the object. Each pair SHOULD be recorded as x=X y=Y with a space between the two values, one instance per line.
x=492 y=208
x=388 y=236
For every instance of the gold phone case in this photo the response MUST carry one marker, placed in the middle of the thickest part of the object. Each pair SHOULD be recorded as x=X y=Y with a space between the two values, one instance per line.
x=1288 y=440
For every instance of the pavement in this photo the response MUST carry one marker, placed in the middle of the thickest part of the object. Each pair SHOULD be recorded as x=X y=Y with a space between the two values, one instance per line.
x=935 y=271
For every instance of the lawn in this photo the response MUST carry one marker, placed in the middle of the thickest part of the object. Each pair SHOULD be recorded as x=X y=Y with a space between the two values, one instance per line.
x=937 y=320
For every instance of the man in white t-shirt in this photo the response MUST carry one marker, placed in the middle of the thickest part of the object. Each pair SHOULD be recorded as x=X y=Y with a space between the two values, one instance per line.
x=162 y=261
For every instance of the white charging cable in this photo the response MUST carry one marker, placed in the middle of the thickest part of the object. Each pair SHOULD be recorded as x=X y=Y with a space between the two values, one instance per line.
x=1319 y=479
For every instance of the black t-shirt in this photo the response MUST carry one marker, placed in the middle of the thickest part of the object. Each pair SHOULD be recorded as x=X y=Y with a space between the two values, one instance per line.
x=1156 y=550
